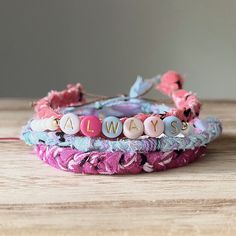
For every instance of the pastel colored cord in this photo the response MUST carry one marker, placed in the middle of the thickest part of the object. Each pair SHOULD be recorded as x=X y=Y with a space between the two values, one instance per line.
x=211 y=130
x=108 y=163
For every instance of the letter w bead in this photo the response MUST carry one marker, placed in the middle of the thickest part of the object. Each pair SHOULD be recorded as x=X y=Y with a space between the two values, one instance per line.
x=112 y=127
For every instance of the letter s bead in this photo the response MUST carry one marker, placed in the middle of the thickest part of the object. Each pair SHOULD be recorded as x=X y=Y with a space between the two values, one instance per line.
x=173 y=126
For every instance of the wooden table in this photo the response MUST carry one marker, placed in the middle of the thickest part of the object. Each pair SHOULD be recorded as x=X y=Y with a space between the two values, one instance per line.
x=35 y=199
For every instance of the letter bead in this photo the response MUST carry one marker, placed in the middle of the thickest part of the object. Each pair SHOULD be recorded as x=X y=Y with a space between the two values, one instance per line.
x=70 y=123
x=153 y=126
x=133 y=128
x=91 y=126
x=43 y=124
x=111 y=127
x=35 y=125
x=173 y=126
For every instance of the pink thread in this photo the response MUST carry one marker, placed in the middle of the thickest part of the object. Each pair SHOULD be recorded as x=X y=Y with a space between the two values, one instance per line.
x=10 y=139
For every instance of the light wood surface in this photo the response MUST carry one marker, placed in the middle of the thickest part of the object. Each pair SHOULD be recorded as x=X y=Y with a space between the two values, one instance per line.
x=36 y=199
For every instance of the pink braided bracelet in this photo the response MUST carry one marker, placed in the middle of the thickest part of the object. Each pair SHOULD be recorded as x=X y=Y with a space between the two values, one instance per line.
x=72 y=160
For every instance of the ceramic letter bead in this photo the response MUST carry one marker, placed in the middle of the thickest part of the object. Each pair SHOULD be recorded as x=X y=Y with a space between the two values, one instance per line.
x=173 y=126
x=43 y=124
x=35 y=125
x=111 y=127
x=91 y=126
x=70 y=123
x=133 y=128
x=153 y=126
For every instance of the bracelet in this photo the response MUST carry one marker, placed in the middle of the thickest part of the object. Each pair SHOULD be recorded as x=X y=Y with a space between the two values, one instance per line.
x=72 y=160
x=126 y=134
x=112 y=127
x=48 y=110
x=204 y=132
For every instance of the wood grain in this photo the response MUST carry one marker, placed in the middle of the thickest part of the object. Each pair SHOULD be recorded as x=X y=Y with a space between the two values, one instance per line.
x=35 y=199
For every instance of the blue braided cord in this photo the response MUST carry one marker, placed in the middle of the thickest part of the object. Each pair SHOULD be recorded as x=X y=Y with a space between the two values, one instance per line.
x=213 y=130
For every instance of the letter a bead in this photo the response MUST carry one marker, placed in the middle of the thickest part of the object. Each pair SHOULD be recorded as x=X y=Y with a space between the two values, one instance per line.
x=111 y=127
x=91 y=126
x=173 y=126
x=153 y=126
x=133 y=128
x=70 y=123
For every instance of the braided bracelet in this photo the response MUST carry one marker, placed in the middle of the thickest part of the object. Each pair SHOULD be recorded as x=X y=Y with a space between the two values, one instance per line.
x=72 y=160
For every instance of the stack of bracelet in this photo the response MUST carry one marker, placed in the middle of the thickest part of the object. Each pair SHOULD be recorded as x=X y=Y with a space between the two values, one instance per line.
x=123 y=134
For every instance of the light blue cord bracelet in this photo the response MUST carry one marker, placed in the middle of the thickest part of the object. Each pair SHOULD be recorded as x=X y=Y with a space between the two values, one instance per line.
x=211 y=131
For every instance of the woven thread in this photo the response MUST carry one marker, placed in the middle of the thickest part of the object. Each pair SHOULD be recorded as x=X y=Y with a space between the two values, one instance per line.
x=108 y=163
